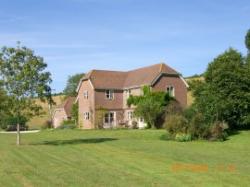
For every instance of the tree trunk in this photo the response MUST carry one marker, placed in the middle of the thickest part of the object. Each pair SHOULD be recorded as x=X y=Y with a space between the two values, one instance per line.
x=18 y=134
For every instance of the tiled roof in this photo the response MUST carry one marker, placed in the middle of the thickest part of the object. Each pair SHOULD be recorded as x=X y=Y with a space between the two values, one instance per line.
x=67 y=105
x=102 y=79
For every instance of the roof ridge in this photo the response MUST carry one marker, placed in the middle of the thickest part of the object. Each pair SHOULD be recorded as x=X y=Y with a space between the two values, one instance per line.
x=149 y=66
x=109 y=71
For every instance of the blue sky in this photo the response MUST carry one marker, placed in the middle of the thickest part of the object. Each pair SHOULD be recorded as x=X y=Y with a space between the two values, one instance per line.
x=76 y=36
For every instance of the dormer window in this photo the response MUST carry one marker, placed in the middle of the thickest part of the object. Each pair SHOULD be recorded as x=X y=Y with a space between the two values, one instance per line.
x=85 y=94
x=109 y=94
x=171 y=91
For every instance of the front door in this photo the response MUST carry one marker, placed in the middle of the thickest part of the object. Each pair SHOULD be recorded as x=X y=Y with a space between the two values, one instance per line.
x=109 y=120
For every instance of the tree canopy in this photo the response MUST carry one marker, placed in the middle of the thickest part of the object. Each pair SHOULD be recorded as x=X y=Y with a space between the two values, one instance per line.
x=72 y=83
x=247 y=42
x=225 y=93
x=23 y=77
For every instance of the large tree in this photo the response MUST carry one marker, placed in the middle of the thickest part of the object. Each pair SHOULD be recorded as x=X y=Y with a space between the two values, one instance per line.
x=24 y=78
x=150 y=106
x=224 y=95
x=72 y=83
x=247 y=43
x=4 y=108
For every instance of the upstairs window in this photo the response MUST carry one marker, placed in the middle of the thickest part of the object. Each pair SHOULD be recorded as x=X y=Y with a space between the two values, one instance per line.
x=170 y=91
x=109 y=94
x=86 y=115
x=85 y=94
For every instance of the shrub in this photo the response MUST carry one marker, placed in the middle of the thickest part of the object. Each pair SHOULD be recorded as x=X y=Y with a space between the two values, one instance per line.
x=176 y=123
x=218 y=131
x=190 y=112
x=166 y=136
x=10 y=123
x=134 y=125
x=173 y=107
x=67 y=124
x=183 y=137
x=198 y=128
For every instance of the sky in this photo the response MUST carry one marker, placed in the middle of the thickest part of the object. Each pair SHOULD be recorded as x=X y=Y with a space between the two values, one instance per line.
x=75 y=36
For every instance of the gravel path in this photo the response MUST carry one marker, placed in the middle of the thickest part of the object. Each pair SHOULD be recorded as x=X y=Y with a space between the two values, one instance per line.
x=22 y=132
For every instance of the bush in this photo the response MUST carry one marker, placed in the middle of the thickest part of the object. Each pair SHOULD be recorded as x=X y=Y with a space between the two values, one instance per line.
x=194 y=126
x=67 y=124
x=198 y=128
x=173 y=107
x=134 y=125
x=176 y=123
x=218 y=131
x=10 y=123
x=183 y=137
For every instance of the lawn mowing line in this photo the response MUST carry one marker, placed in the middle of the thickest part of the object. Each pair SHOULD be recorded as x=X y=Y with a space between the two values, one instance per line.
x=97 y=164
x=23 y=159
x=41 y=173
x=66 y=162
x=140 y=172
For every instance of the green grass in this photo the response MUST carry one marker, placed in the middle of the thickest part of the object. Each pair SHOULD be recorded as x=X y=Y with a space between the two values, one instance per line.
x=121 y=158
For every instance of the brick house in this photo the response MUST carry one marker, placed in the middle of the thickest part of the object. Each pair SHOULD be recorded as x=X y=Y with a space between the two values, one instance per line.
x=109 y=90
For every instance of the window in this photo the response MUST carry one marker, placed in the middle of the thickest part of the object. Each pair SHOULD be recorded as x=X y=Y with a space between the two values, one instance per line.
x=109 y=94
x=85 y=94
x=109 y=117
x=130 y=115
x=86 y=115
x=170 y=91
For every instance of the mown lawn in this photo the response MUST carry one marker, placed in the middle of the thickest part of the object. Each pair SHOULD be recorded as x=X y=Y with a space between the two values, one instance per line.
x=122 y=158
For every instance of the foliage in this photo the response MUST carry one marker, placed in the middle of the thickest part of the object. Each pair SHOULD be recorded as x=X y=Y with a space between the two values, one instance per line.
x=198 y=128
x=74 y=112
x=218 y=131
x=247 y=40
x=134 y=125
x=225 y=93
x=150 y=106
x=23 y=78
x=99 y=116
x=72 y=83
x=4 y=108
x=176 y=123
x=183 y=137
x=190 y=125
x=173 y=107
x=10 y=123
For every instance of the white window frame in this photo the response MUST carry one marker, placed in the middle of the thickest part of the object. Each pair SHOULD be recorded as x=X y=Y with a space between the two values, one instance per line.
x=109 y=121
x=109 y=94
x=130 y=115
x=85 y=94
x=86 y=116
x=171 y=90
